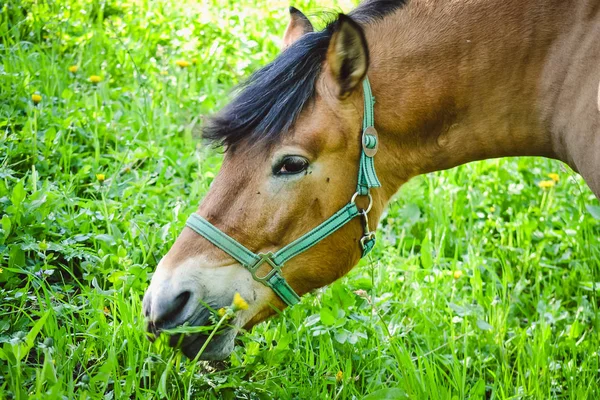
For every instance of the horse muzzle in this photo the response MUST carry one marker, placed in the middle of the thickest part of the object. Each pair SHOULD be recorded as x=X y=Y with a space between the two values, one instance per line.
x=186 y=296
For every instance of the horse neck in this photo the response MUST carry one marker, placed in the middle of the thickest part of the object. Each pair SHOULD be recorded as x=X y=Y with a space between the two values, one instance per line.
x=456 y=82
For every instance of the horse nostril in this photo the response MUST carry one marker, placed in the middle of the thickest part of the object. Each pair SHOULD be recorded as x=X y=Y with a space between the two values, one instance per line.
x=170 y=311
x=180 y=301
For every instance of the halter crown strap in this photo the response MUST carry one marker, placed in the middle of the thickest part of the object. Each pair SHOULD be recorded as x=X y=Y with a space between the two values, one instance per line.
x=367 y=179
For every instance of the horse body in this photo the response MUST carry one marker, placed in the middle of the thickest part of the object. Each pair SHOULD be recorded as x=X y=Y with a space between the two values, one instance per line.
x=454 y=82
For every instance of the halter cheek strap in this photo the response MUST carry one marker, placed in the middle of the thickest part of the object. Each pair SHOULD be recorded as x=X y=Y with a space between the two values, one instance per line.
x=367 y=179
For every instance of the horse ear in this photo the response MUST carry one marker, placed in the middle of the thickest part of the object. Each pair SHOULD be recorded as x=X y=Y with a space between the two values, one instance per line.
x=298 y=26
x=348 y=55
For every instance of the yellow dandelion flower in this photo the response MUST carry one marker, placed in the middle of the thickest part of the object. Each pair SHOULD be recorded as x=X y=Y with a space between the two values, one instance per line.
x=100 y=177
x=457 y=274
x=36 y=98
x=554 y=177
x=546 y=184
x=95 y=79
x=1 y=270
x=106 y=310
x=73 y=68
x=222 y=312
x=183 y=63
x=194 y=61
x=239 y=303
x=339 y=376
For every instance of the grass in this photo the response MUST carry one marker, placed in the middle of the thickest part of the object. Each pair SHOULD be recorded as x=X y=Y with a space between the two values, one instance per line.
x=483 y=284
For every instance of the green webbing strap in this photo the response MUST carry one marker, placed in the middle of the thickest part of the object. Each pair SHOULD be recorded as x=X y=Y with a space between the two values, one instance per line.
x=283 y=289
x=223 y=241
x=367 y=178
x=332 y=224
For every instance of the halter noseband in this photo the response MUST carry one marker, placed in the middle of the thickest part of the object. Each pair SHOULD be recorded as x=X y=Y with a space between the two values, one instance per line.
x=367 y=179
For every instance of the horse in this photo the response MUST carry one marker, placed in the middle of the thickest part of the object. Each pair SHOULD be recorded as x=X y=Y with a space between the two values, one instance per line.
x=389 y=91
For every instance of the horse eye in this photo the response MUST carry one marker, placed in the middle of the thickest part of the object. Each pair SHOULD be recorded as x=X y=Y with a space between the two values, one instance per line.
x=291 y=165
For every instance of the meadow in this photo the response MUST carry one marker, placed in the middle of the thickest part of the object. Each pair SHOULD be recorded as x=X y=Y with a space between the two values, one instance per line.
x=485 y=282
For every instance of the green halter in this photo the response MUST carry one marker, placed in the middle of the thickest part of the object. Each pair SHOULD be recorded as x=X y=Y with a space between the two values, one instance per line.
x=367 y=178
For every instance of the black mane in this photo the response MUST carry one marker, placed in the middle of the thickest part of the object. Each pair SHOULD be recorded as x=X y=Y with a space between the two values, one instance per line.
x=269 y=103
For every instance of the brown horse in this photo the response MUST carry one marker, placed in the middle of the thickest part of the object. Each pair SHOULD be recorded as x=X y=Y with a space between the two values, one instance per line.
x=454 y=82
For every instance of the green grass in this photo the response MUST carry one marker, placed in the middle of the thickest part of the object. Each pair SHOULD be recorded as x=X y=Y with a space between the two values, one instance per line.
x=482 y=286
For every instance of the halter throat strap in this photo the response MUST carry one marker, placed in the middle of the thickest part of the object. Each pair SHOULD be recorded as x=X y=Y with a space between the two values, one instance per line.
x=367 y=179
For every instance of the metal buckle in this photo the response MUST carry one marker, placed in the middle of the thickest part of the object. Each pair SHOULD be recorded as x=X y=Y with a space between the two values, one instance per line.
x=264 y=258
x=372 y=132
x=365 y=238
x=368 y=233
x=365 y=218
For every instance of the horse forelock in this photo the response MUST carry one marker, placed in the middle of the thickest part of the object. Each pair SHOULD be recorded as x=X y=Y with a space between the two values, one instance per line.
x=269 y=103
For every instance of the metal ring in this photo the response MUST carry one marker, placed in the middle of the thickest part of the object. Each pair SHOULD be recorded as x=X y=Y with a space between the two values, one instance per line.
x=355 y=195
